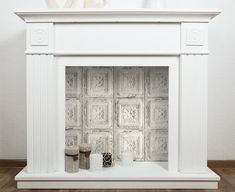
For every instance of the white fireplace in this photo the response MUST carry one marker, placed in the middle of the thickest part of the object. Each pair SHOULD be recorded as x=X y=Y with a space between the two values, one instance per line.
x=128 y=80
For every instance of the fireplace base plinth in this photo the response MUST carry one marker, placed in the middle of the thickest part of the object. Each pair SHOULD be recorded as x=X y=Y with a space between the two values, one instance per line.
x=144 y=175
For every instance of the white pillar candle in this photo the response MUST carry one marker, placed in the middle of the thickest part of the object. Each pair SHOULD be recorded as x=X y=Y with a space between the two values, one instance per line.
x=96 y=162
x=127 y=159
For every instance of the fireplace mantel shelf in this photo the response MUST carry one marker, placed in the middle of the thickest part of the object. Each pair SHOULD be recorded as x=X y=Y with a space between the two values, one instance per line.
x=144 y=15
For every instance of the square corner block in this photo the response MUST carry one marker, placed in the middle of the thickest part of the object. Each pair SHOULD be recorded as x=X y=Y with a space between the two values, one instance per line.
x=73 y=113
x=156 y=82
x=129 y=82
x=98 y=114
x=129 y=113
x=194 y=37
x=73 y=137
x=156 y=114
x=74 y=82
x=98 y=82
x=101 y=141
x=156 y=145
x=40 y=37
x=129 y=141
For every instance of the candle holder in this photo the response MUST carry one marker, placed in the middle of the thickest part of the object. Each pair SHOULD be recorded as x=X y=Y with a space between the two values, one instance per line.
x=85 y=151
x=96 y=162
x=127 y=159
x=107 y=159
x=71 y=159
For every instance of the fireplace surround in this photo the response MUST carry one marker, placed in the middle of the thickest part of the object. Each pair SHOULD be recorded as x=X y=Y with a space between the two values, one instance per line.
x=58 y=41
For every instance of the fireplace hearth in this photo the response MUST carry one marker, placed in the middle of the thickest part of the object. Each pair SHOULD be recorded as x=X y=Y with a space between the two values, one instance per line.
x=122 y=81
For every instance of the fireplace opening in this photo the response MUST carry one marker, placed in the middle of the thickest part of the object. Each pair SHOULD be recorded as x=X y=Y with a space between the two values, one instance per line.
x=118 y=109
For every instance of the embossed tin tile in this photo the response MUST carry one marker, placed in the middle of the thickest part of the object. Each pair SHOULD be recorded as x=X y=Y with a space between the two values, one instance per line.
x=101 y=141
x=98 y=114
x=129 y=113
x=156 y=145
x=73 y=137
x=73 y=113
x=156 y=82
x=73 y=82
x=129 y=82
x=156 y=114
x=98 y=82
x=130 y=141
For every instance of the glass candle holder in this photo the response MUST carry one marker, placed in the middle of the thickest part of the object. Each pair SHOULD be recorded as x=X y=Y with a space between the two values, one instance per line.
x=127 y=159
x=96 y=162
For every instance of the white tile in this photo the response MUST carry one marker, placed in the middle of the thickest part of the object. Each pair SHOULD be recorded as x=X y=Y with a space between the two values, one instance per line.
x=98 y=82
x=156 y=82
x=130 y=141
x=129 y=113
x=156 y=145
x=101 y=141
x=129 y=82
x=73 y=137
x=156 y=114
x=98 y=114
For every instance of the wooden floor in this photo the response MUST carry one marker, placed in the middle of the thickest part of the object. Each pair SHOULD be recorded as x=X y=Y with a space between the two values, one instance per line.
x=225 y=169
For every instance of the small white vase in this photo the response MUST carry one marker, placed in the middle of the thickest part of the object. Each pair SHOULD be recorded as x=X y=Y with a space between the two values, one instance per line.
x=96 y=162
x=127 y=159
x=156 y=4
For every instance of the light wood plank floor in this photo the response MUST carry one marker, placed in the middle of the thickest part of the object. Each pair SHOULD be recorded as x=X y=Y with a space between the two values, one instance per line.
x=227 y=183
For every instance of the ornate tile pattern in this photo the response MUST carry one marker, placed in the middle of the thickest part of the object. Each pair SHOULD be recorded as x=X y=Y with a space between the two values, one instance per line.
x=98 y=82
x=156 y=82
x=156 y=145
x=156 y=114
x=73 y=137
x=73 y=113
x=130 y=141
x=101 y=141
x=129 y=113
x=118 y=109
x=73 y=82
x=98 y=114
x=129 y=82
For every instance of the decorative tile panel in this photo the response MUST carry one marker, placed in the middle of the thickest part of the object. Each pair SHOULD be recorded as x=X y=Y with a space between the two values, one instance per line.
x=101 y=141
x=129 y=82
x=73 y=82
x=129 y=113
x=156 y=145
x=156 y=114
x=98 y=114
x=157 y=82
x=73 y=137
x=130 y=141
x=98 y=82
x=73 y=113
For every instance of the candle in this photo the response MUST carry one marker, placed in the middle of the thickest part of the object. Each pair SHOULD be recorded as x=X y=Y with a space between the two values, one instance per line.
x=96 y=162
x=127 y=159
x=84 y=150
x=71 y=159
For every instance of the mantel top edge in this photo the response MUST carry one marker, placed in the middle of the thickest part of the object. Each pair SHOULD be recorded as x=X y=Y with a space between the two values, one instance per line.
x=71 y=15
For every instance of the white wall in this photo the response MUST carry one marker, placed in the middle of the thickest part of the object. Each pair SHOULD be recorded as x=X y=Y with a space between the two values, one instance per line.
x=221 y=78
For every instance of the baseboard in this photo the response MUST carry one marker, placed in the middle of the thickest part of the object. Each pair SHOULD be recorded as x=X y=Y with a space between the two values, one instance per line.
x=22 y=163
x=13 y=162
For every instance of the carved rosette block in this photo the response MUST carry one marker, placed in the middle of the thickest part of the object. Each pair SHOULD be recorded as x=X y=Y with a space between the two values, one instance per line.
x=129 y=113
x=73 y=137
x=157 y=82
x=98 y=82
x=156 y=145
x=73 y=113
x=129 y=82
x=73 y=82
x=101 y=141
x=98 y=114
x=130 y=141
x=156 y=114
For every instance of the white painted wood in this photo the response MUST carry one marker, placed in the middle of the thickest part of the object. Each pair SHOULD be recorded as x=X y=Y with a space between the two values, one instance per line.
x=40 y=37
x=193 y=114
x=194 y=37
x=122 y=37
x=41 y=119
x=143 y=15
